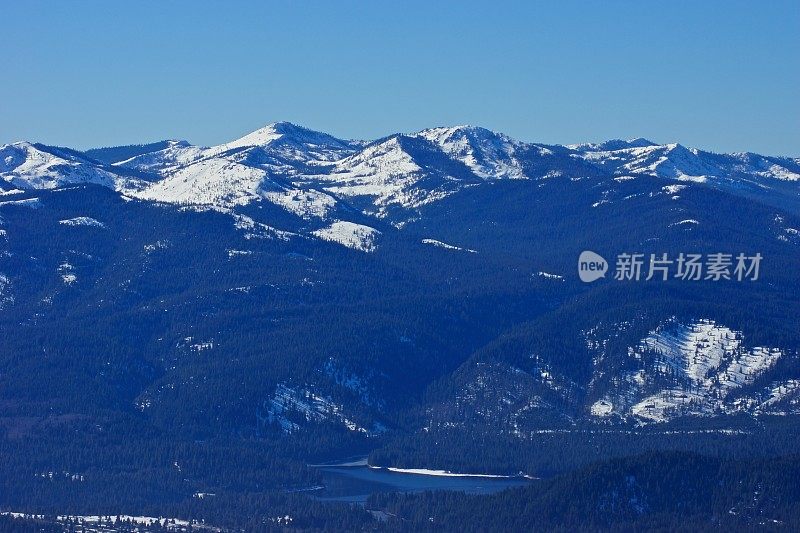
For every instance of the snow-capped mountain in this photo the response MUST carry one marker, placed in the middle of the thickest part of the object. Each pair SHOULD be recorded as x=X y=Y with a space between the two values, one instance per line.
x=675 y=161
x=397 y=174
x=293 y=143
x=34 y=166
x=324 y=180
x=402 y=170
x=488 y=155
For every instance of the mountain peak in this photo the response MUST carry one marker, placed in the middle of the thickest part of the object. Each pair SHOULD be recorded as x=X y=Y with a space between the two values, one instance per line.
x=260 y=137
x=640 y=142
x=286 y=132
x=443 y=133
x=485 y=152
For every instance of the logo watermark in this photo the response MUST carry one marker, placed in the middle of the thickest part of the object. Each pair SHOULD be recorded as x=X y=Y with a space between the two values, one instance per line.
x=661 y=267
x=591 y=266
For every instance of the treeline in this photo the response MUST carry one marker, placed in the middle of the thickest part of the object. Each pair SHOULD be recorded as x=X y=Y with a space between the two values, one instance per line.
x=548 y=453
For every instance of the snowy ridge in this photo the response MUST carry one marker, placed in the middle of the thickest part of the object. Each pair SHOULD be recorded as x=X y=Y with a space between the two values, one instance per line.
x=290 y=141
x=175 y=155
x=316 y=176
x=385 y=169
x=488 y=154
x=675 y=161
x=385 y=173
x=216 y=182
x=510 y=399
x=27 y=166
x=440 y=244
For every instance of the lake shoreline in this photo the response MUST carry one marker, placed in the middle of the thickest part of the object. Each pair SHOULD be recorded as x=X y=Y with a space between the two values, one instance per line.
x=352 y=480
x=362 y=461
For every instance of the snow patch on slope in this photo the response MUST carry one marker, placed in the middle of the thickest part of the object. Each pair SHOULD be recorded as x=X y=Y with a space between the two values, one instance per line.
x=291 y=408
x=440 y=244
x=695 y=369
x=349 y=234
x=32 y=203
x=6 y=297
x=304 y=203
x=82 y=221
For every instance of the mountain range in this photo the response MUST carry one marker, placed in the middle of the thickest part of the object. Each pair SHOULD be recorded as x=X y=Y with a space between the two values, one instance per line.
x=320 y=178
x=296 y=296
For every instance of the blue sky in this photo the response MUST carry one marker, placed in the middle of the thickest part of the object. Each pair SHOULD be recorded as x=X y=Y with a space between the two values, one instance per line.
x=717 y=75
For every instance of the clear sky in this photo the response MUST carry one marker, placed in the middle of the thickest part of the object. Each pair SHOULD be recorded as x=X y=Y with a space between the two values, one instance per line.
x=723 y=76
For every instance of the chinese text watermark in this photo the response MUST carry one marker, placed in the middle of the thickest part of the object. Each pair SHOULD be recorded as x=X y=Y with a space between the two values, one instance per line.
x=662 y=267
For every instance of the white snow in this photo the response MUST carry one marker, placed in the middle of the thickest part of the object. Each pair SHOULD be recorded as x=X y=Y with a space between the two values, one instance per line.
x=304 y=203
x=107 y=521
x=385 y=172
x=783 y=392
x=439 y=473
x=67 y=274
x=440 y=244
x=349 y=234
x=259 y=137
x=239 y=253
x=257 y=230
x=602 y=408
x=291 y=407
x=242 y=170
x=160 y=244
x=177 y=154
x=781 y=173
x=673 y=189
x=695 y=179
x=82 y=221
x=25 y=166
x=548 y=275
x=5 y=291
x=217 y=182
x=488 y=154
x=689 y=221
x=32 y=203
x=700 y=365
x=318 y=177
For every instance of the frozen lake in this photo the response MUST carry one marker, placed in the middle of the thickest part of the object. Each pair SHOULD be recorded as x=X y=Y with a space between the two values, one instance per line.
x=353 y=481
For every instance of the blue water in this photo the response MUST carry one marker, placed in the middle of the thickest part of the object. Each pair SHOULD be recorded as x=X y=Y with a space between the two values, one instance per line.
x=353 y=484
